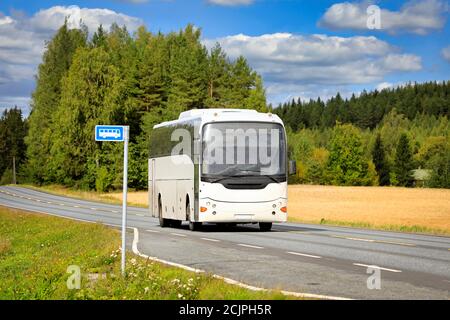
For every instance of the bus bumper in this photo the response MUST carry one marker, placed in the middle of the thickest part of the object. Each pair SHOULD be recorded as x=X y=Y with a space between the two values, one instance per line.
x=242 y=212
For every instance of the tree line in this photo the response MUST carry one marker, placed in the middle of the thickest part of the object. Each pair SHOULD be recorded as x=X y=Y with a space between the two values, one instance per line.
x=114 y=77
x=396 y=136
x=405 y=147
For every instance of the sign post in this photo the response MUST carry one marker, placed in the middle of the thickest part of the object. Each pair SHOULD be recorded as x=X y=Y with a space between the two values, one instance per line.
x=118 y=134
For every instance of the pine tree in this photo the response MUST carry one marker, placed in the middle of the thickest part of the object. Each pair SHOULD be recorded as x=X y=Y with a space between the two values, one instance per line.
x=380 y=162
x=45 y=99
x=403 y=163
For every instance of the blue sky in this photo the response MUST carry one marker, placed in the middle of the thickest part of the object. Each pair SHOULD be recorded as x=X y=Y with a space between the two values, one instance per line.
x=302 y=48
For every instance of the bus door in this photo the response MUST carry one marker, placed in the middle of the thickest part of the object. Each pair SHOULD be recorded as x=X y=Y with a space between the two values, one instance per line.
x=152 y=201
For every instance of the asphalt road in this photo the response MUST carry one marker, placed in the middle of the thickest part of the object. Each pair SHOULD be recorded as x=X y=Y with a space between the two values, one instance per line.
x=294 y=257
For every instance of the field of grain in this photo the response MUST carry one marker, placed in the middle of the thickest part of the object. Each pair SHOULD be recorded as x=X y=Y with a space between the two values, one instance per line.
x=377 y=206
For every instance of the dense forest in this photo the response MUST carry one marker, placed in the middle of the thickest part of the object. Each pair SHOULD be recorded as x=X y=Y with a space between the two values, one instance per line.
x=394 y=137
x=398 y=136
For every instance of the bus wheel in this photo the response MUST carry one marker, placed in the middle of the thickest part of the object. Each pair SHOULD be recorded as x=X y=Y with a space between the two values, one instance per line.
x=194 y=226
x=162 y=222
x=265 y=226
x=175 y=223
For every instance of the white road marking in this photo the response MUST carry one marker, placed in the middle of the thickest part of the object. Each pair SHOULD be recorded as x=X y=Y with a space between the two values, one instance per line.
x=375 y=241
x=208 y=239
x=376 y=267
x=249 y=246
x=178 y=234
x=140 y=215
x=62 y=204
x=95 y=209
x=355 y=239
x=398 y=243
x=304 y=255
x=76 y=206
x=154 y=231
x=136 y=251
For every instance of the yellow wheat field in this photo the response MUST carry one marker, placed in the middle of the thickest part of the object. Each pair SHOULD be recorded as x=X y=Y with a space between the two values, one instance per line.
x=377 y=206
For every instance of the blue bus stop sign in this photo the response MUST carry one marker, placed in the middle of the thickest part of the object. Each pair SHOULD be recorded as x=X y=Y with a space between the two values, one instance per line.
x=118 y=134
x=109 y=133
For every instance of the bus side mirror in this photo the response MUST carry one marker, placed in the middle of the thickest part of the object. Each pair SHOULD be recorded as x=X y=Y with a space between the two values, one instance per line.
x=292 y=167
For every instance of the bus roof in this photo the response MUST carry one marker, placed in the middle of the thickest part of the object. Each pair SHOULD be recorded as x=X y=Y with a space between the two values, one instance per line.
x=218 y=115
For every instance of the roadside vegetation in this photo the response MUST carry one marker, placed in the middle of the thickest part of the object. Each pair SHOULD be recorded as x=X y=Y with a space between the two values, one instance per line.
x=36 y=250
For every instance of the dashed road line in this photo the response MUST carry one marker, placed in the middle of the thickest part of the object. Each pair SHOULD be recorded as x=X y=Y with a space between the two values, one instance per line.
x=397 y=243
x=154 y=231
x=249 y=246
x=376 y=267
x=304 y=255
x=209 y=239
x=178 y=234
x=374 y=241
x=355 y=239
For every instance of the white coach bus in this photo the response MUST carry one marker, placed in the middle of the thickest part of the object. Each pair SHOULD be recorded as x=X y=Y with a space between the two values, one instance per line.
x=219 y=166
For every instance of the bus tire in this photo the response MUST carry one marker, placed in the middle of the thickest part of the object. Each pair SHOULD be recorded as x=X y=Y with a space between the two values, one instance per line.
x=175 y=223
x=265 y=226
x=162 y=222
x=194 y=226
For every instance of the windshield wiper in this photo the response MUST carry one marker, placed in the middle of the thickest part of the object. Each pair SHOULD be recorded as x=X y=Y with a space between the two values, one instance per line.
x=244 y=176
x=265 y=176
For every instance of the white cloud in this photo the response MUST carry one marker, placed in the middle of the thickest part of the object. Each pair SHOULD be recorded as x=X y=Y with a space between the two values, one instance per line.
x=231 y=2
x=446 y=53
x=384 y=85
x=52 y=18
x=420 y=17
x=22 y=39
x=314 y=63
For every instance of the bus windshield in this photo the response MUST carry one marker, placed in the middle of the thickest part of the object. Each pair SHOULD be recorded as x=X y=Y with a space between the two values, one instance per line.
x=242 y=149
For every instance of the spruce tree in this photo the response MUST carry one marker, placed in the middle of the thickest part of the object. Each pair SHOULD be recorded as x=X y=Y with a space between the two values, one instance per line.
x=403 y=162
x=380 y=162
x=13 y=129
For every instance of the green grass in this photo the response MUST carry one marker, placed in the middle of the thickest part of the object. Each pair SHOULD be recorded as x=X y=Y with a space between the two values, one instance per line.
x=386 y=227
x=36 y=250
